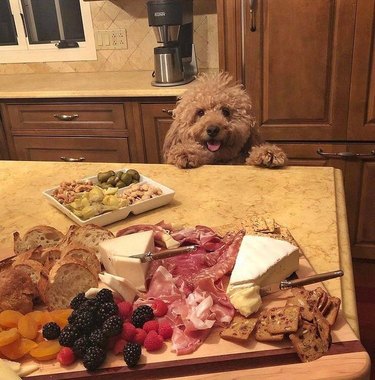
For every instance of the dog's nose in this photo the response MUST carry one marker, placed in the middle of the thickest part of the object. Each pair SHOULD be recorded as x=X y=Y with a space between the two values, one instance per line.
x=212 y=130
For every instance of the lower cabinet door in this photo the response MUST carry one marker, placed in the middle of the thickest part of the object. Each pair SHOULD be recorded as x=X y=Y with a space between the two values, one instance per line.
x=71 y=149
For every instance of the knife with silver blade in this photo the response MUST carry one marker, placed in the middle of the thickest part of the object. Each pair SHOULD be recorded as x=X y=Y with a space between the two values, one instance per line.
x=287 y=284
x=164 y=253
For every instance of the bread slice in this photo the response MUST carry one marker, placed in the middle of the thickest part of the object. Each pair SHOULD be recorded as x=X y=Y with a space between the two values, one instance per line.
x=66 y=279
x=88 y=236
x=49 y=256
x=84 y=254
x=31 y=254
x=33 y=269
x=44 y=236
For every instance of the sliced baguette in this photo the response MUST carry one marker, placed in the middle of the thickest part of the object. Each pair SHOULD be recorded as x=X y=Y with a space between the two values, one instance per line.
x=49 y=256
x=66 y=279
x=87 y=255
x=44 y=236
x=88 y=236
x=33 y=269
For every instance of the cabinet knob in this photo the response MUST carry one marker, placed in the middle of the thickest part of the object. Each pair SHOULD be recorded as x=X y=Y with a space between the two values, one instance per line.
x=71 y=159
x=169 y=112
x=344 y=155
x=64 y=117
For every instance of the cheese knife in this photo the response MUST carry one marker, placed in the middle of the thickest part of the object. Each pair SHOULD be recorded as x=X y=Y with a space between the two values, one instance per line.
x=288 y=284
x=164 y=253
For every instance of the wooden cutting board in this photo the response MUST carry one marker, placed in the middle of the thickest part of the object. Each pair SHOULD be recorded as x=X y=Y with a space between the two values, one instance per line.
x=346 y=358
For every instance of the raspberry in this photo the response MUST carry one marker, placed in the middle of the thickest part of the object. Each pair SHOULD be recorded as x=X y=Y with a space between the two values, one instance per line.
x=66 y=356
x=119 y=346
x=151 y=325
x=128 y=331
x=140 y=336
x=125 y=309
x=160 y=308
x=165 y=330
x=153 y=341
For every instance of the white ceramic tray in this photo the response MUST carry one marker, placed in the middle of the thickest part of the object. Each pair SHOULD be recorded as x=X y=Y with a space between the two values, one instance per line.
x=121 y=213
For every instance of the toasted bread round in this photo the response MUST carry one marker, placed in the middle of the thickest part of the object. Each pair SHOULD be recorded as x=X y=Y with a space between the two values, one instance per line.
x=85 y=254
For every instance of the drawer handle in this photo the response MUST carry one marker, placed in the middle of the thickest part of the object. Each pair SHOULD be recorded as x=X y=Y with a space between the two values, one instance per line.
x=169 y=112
x=64 y=117
x=344 y=155
x=71 y=159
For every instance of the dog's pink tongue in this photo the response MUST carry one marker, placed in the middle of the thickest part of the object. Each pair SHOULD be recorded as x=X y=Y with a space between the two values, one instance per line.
x=213 y=146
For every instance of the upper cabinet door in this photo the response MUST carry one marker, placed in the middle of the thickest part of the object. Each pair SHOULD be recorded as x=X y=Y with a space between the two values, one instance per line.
x=297 y=66
x=361 y=123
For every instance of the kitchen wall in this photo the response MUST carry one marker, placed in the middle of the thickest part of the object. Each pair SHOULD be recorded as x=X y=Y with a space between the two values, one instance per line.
x=131 y=15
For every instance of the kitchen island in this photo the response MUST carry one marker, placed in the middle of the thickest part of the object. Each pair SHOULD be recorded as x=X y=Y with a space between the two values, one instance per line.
x=309 y=201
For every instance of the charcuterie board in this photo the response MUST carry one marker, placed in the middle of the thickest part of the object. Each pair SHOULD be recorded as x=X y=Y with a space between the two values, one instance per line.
x=217 y=356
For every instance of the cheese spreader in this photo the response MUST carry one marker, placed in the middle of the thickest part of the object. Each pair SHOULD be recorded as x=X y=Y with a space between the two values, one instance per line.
x=164 y=253
x=288 y=284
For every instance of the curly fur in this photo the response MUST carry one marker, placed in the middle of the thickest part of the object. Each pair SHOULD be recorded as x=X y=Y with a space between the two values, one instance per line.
x=213 y=124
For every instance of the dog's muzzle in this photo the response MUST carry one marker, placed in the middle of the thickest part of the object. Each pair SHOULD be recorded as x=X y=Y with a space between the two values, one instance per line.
x=212 y=144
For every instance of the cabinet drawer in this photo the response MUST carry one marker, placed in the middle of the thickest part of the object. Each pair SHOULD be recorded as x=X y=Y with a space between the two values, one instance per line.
x=53 y=148
x=67 y=118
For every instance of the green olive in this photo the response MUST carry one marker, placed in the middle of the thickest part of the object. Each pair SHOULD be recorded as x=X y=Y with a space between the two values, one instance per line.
x=104 y=185
x=112 y=180
x=120 y=184
x=134 y=174
x=126 y=178
x=103 y=176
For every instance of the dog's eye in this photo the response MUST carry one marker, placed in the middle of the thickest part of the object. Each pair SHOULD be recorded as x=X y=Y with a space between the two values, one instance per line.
x=225 y=111
x=200 y=113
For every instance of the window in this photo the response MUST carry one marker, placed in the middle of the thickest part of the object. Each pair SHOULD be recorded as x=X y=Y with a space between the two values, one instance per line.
x=45 y=30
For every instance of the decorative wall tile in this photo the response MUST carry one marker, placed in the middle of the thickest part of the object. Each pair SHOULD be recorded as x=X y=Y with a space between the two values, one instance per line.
x=131 y=15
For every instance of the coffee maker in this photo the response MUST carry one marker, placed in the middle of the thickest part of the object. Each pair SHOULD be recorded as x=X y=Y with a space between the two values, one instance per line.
x=175 y=60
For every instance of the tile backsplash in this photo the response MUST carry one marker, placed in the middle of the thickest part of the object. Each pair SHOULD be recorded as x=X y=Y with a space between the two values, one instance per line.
x=131 y=15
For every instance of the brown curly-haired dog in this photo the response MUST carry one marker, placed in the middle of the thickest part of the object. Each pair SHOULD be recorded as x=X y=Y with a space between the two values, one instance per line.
x=213 y=124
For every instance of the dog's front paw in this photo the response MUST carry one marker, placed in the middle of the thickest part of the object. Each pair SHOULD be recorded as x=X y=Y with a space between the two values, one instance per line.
x=187 y=156
x=185 y=161
x=267 y=155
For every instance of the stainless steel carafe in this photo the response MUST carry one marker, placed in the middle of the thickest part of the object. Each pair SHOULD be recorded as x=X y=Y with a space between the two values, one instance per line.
x=168 y=65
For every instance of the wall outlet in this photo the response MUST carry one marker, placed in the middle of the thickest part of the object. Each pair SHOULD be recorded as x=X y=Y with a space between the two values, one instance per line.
x=111 y=39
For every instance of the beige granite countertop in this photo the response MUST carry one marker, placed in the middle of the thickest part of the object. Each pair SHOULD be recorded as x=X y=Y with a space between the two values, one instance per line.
x=307 y=200
x=65 y=85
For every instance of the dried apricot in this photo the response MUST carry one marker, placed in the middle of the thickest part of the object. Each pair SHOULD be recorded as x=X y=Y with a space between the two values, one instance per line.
x=9 y=318
x=40 y=317
x=18 y=348
x=46 y=350
x=61 y=316
x=9 y=336
x=27 y=327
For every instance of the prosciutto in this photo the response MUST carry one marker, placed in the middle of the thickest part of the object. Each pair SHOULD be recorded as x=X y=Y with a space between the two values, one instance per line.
x=192 y=285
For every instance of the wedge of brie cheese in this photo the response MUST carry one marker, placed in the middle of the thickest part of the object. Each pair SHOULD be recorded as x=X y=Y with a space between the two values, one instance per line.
x=114 y=254
x=260 y=261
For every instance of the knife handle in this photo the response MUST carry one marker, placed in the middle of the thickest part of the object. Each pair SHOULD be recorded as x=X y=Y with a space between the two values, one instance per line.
x=311 y=279
x=165 y=253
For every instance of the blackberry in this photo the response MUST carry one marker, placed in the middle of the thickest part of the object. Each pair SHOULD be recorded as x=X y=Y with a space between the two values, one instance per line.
x=93 y=358
x=104 y=295
x=97 y=338
x=141 y=315
x=112 y=326
x=51 y=331
x=84 y=321
x=132 y=353
x=69 y=334
x=72 y=317
x=106 y=310
x=89 y=305
x=77 y=301
x=81 y=345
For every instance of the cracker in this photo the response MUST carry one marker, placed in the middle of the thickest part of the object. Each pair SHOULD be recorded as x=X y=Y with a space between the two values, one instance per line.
x=301 y=299
x=307 y=343
x=239 y=329
x=261 y=332
x=333 y=311
x=324 y=329
x=259 y=224
x=283 y=319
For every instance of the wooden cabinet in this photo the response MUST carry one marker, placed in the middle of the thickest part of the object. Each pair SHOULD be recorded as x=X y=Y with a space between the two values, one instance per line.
x=298 y=65
x=3 y=144
x=66 y=130
x=155 y=120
